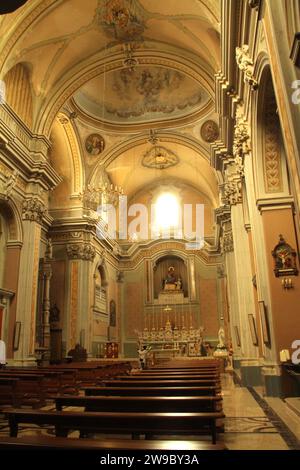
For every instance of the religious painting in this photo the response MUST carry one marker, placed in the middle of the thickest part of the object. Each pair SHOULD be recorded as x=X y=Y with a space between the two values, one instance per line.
x=284 y=259
x=94 y=144
x=253 y=331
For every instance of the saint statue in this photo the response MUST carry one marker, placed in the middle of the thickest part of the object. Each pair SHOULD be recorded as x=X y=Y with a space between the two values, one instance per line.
x=171 y=278
x=221 y=335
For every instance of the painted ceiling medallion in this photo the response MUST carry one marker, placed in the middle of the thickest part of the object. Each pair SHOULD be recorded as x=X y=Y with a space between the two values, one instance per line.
x=209 y=131
x=159 y=157
x=121 y=20
x=94 y=144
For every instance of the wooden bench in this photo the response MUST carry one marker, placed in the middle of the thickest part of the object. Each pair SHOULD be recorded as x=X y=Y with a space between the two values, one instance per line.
x=52 y=382
x=152 y=391
x=168 y=377
x=31 y=388
x=51 y=443
x=110 y=422
x=9 y=391
x=161 y=383
x=141 y=403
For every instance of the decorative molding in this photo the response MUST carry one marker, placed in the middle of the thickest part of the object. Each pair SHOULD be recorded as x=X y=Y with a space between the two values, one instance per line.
x=226 y=242
x=10 y=184
x=254 y=4
x=223 y=214
x=84 y=251
x=231 y=192
x=241 y=145
x=245 y=64
x=33 y=209
x=159 y=157
x=272 y=145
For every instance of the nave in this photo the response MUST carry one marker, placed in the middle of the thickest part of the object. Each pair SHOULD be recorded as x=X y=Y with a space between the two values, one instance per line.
x=244 y=418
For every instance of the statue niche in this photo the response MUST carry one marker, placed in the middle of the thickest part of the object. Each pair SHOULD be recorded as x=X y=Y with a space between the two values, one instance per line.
x=170 y=277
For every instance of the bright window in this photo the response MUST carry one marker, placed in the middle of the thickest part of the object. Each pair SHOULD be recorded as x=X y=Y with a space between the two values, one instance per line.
x=166 y=211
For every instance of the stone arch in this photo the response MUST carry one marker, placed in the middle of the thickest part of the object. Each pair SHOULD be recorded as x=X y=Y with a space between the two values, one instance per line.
x=92 y=68
x=11 y=213
x=65 y=142
x=269 y=160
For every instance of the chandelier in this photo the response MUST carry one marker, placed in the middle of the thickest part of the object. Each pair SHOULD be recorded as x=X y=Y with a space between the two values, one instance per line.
x=95 y=196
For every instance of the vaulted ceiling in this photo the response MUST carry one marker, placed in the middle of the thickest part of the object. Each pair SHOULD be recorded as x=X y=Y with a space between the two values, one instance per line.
x=123 y=69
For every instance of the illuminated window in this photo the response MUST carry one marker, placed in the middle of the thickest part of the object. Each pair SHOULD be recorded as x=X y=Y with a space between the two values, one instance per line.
x=166 y=212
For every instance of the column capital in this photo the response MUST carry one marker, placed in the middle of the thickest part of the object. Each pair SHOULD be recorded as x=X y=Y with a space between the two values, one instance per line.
x=84 y=251
x=33 y=209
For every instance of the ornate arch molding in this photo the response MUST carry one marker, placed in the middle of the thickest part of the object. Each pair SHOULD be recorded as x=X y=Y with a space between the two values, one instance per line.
x=268 y=158
x=25 y=19
x=72 y=140
x=11 y=214
x=110 y=155
x=93 y=67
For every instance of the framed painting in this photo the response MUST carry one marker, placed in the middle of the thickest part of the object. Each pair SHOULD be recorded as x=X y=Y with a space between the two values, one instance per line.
x=252 y=327
x=264 y=322
x=237 y=336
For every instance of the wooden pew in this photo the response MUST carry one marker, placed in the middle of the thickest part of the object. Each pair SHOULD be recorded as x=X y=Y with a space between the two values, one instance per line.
x=152 y=391
x=168 y=377
x=141 y=403
x=52 y=382
x=111 y=422
x=52 y=443
x=9 y=391
x=31 y=388
x=161 y=383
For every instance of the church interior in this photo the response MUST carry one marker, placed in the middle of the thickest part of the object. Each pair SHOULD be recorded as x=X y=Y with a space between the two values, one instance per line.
x=149 y=224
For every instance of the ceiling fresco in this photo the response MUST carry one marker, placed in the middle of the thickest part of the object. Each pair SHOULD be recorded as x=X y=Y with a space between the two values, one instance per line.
x=145 y=93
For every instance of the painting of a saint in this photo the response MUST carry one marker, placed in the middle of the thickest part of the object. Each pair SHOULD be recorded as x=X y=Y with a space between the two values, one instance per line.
x=94 y=144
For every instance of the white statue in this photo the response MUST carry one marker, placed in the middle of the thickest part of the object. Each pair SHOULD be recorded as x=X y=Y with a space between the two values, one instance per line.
x=221 y=336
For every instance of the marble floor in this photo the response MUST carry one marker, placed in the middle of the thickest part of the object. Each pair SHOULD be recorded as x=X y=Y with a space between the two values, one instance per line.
x=252 y=422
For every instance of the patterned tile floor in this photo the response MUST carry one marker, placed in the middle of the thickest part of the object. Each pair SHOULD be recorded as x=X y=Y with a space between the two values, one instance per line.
x=252 y=422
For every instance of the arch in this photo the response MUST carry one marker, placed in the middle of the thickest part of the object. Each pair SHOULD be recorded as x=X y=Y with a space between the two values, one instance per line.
x=71 y=168
x=18 y=92
x=93 y=67
x=269 y=160
x=11 y=214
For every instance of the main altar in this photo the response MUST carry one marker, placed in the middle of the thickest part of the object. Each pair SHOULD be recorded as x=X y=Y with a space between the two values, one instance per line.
x=170 y=329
